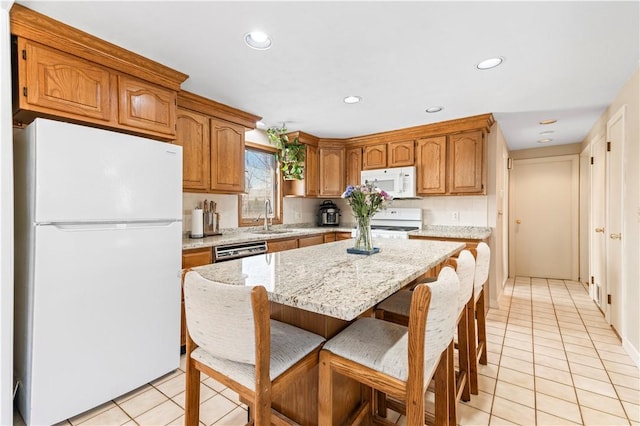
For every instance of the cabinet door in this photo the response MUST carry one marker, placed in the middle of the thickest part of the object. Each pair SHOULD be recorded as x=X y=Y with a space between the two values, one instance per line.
x=465 y=163
x=227 y=156
x=331 y=172
x=354 y=166
x=431 y=159
x=146 y=106
x=343 y=236
x=192 y=134
x=374 y=157
x=62 y=85
x=401 y=154
x=311 y=171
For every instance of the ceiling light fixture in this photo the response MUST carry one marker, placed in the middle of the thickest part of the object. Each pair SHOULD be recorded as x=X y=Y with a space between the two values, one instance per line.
x=352 y=99
x=487 y=64
x=257 y=40
x=545 y=140
x=549 y=121
x=434 y=109
x=546 y=132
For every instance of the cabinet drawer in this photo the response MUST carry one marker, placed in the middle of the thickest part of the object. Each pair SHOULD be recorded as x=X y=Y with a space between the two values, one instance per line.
x=281 y=245
x=329 y=237
x=343 y=236
x=196 y=257
x=310 y=241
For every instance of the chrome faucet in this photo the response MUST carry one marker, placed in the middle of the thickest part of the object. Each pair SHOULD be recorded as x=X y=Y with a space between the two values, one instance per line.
x=267 y=212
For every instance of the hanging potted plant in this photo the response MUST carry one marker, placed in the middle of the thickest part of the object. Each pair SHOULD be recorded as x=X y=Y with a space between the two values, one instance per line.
x=290 y=157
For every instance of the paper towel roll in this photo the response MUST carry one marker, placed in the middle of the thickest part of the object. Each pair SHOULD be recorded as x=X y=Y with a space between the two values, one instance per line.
x=197 y=227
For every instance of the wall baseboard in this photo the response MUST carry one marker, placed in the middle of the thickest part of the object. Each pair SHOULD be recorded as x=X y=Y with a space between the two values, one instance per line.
x=632 y=351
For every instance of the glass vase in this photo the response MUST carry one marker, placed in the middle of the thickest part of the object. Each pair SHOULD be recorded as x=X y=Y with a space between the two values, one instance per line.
x=363 y=234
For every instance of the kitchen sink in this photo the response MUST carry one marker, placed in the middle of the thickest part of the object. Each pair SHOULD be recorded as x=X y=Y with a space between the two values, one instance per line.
x=271 y=231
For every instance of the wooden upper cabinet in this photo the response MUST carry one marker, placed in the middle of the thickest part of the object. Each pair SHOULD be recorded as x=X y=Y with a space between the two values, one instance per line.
x=146 y=106
x=331 y=162
x=431 y=162
x=311 y=171
x=68 y=74
x=374 y=156
x=54 y=83
x=227 y=156
x=401 y=154
x=193 y=135
x=353 y=166
x=466 y=155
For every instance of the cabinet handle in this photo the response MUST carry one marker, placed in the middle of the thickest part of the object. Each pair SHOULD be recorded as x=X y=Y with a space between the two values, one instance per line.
x=615 y=236
x=600 y=230
x=518 y=221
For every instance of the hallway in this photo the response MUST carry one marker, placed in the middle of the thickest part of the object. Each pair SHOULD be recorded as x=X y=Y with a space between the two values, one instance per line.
x=553 y=360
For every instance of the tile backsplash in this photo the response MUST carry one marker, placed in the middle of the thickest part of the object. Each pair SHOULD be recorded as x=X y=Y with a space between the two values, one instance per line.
x=450 y=211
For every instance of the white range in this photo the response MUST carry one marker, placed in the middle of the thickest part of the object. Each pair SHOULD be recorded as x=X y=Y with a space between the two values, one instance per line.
x=395 y=222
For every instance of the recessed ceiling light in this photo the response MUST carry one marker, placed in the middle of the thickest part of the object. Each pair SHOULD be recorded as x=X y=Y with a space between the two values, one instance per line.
x=257 y=40
x=546 y=132
x=352 y=99
x=545 y=140
x=549 y=121
x=490 y=63
x=433 y=109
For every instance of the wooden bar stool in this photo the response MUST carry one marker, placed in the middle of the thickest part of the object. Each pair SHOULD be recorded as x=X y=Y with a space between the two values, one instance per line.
x=395 y=309
x=396 y=360
x=478 y=348
x=231 y=339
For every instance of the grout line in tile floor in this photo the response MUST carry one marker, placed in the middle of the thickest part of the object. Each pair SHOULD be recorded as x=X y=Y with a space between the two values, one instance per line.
x=572 y=349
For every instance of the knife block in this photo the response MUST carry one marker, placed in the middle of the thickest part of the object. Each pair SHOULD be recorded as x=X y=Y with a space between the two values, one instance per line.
x=211 y=223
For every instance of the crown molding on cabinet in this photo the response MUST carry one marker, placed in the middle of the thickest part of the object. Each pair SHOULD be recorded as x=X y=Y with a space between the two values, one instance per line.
x=210 y=107
x=35 y=26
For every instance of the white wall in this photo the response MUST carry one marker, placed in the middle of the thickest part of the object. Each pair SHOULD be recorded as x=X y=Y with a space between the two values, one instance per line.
x=6 y=221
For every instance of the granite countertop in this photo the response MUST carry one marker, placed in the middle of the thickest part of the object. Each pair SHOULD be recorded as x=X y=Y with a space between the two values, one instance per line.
x=461 y=232
x=247 y=235
x=340 y=285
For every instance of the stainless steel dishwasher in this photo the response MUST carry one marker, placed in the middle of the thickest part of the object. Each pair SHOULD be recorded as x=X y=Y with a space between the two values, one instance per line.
x=232 y=251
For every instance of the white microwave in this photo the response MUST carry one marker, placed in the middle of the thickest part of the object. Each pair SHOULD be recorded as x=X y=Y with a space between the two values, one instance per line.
x=399 y=182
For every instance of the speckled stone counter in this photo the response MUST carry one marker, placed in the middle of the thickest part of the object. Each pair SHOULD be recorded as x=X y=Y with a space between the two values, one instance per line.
x=325 y=279
x=458 y=232
x=247 y=235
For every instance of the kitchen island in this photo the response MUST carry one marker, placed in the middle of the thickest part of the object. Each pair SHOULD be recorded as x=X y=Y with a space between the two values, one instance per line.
x=322 y=289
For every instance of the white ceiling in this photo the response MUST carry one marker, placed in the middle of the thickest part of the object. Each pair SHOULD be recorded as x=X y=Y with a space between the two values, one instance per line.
x=564 y=60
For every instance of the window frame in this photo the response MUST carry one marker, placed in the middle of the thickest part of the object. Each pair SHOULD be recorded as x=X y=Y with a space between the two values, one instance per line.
x=277 y=203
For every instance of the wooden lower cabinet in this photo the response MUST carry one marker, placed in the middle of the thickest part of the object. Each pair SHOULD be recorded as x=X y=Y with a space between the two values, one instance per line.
x=343 y=236
x=281 y=245
x=190 y=259
x=329 y=237
x=310 y=241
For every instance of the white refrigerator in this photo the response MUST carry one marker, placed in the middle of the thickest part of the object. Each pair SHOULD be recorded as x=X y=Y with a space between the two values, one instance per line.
x=98 y=224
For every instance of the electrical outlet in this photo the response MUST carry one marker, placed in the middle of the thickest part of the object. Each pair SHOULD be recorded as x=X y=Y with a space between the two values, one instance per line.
x=455 y=216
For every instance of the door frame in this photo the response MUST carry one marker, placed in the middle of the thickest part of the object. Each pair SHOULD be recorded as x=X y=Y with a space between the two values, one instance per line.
x=619 y=115
x=574 y=158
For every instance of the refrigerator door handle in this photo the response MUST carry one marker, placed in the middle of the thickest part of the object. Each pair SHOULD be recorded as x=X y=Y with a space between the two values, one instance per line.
x=107 y=226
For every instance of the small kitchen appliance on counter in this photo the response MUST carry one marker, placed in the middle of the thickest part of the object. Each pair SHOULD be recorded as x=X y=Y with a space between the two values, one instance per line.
x=329 y=214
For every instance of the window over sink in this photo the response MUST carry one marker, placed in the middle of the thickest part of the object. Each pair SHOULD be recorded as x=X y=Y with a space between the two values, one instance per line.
x=261 y=183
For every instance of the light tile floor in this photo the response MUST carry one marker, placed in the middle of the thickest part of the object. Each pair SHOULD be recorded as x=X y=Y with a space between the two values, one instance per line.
x=553 y=360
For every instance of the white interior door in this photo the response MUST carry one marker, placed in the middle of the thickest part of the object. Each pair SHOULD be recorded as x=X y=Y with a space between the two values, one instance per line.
x=613 y=228
x=544 y=217
x=597 y=224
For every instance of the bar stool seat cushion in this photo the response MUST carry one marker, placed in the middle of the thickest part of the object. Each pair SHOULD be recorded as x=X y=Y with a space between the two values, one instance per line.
x=289 y=345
